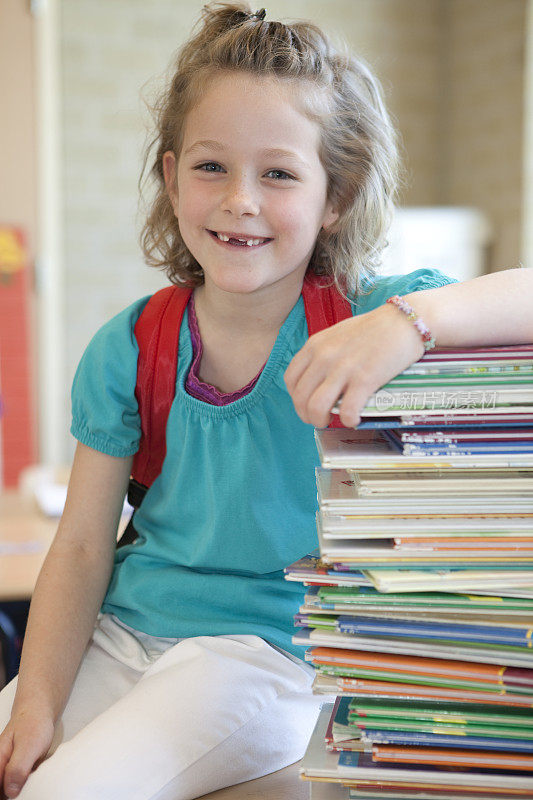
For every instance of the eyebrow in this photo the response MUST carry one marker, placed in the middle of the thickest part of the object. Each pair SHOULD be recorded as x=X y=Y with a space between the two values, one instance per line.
x=208 y=144
x=269 y=152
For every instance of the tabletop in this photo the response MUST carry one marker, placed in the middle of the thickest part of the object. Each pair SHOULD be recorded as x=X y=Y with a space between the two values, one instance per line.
x=25 y=536
x=281 y=785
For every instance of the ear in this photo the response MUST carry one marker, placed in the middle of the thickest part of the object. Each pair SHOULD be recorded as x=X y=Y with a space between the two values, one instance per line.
x=169 y=173
x=331 y=215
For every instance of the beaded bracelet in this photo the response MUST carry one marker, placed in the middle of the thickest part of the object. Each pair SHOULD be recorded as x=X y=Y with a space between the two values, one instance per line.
x=427 y=339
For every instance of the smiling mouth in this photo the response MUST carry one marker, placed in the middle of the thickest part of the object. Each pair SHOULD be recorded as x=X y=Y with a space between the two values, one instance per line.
x=240 y=241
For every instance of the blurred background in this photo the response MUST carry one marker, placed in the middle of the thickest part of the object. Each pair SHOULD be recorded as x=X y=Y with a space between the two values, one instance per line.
x=72 y=77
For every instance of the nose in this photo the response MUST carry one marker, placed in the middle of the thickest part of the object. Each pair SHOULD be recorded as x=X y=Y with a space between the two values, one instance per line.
x=241 y=198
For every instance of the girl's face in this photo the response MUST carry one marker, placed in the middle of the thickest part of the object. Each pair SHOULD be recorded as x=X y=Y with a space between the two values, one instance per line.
x=250 y=195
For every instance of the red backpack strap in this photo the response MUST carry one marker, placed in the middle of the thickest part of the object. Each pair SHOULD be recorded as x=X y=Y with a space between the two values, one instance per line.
x=157 y=332
x=324 y=307
x=324 y=304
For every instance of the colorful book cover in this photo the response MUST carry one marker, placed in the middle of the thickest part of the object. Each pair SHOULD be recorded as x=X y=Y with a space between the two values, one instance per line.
x=465 y=633
x=376 y=675
x=420 y=739
x=310 y=569
x=442 y=600
x=383 y=690
x=342 y=449
x=440 y=757
x=503 y=656
x=460 y=731
x=469 y=580
x=359 y=769
x=393 y=663
x=443 y=711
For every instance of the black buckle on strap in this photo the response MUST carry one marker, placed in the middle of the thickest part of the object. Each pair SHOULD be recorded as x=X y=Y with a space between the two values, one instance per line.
x=136 y=492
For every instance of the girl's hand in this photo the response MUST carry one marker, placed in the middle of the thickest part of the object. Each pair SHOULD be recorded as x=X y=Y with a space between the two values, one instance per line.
x=24 y=743
x=353 y=358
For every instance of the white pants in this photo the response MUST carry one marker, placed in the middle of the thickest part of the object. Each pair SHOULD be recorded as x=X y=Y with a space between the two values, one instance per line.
x=163 y=719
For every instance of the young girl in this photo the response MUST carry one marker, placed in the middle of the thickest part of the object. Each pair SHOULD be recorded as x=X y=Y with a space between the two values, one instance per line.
x=165 y=669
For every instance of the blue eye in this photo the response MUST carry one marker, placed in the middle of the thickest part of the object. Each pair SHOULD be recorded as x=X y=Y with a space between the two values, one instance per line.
x=280 y=174
x=209 y=166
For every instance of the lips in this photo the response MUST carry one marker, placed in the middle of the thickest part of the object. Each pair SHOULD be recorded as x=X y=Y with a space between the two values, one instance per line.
x=239 y=239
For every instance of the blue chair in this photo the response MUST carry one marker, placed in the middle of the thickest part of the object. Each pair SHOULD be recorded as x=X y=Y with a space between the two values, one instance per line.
x=9 y=646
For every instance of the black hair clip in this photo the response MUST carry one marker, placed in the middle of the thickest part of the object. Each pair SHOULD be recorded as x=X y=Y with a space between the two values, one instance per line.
x=260 y=15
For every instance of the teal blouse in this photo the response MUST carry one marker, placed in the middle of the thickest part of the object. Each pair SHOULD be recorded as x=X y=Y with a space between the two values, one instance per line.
x=236 y=498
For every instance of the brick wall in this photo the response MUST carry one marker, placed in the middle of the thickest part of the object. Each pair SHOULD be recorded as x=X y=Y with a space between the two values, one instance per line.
x=485 y=60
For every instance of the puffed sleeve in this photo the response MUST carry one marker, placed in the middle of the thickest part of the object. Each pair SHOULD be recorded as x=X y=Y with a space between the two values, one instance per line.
x=376 y=292
x=104 y=408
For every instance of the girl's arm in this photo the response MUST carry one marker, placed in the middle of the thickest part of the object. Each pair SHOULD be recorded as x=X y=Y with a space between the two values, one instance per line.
x=494 y=309
x=67 y=598
x=357 y=356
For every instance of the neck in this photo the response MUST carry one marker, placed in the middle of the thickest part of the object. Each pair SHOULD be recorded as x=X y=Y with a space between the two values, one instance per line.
x=246 y=314
x=238 y=331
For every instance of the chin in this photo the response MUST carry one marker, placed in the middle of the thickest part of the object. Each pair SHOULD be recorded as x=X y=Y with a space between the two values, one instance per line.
x=237 y=284
x=238 y=287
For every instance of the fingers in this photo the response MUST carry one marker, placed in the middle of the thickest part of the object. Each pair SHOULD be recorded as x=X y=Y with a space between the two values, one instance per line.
x=297 y=367
x=352 y=359
x=314 y=405
x=18 y=768
x=6 y=749
x=353 y=401
x=315 y=393
x=315 y=380
x=23 y=748
x=319 y=374
x=354 y=393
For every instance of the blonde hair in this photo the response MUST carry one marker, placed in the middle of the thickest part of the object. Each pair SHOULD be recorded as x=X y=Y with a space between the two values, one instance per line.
x=358 y=142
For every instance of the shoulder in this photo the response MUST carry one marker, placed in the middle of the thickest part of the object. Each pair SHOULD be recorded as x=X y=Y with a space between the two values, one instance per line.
x=119 y=331
x=122 y=329
x=375 y=291
x=104 y=407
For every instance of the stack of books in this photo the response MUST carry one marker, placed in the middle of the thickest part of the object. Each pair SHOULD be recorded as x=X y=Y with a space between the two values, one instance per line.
x=419 y=608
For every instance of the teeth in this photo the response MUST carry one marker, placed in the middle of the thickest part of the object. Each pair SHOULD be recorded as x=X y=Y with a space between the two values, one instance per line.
x=249 y=242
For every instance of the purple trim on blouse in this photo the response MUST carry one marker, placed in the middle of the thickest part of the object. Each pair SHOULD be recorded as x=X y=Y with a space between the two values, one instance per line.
x=194 y=385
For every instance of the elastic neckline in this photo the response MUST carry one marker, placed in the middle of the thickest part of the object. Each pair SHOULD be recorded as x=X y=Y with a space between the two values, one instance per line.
x=194 y=385
x=276 y=358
